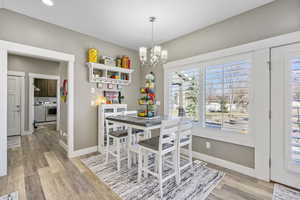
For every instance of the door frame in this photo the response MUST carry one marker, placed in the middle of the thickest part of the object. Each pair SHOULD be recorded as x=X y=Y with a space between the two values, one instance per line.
x=22 y=76
x=7 y=47
x=33 y=76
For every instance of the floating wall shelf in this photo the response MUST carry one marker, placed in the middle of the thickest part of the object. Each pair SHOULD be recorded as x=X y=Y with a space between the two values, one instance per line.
x=100 y=73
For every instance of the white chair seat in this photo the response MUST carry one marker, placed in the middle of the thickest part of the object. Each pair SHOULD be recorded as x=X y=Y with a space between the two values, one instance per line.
x=153 y=143
x=119 y=133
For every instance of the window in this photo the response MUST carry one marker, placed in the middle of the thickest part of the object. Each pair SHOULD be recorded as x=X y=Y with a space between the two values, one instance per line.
x=227 y=96
x=184 y=92
x=215 y=95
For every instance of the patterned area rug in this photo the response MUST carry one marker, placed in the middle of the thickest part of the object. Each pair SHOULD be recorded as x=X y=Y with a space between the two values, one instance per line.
x=13 y=142
x=284 y=193
x=11 y=196
x=197 y=181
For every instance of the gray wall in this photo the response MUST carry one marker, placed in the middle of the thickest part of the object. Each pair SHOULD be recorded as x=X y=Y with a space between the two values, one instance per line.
x=276 y=18
x=31 y=65
x=21 y=29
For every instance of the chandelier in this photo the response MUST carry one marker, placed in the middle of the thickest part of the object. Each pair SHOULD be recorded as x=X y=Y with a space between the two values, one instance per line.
x=157 y=55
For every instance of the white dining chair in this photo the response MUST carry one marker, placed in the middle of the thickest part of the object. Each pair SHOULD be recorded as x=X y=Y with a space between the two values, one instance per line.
x=160 y=146
x=184 y=139
x=136 y=135
x=116 y=138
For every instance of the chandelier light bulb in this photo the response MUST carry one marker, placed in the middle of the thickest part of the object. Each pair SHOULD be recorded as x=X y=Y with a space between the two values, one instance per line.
x=157 y=50
x=164 y=55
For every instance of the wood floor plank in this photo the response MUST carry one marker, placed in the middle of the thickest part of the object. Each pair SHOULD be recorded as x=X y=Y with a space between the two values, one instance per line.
x=40 y=169
x=33 y=187
x=247 y=188
x=55 y=164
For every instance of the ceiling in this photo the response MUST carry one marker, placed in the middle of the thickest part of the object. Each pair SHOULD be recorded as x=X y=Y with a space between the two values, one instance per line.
x=125 y=22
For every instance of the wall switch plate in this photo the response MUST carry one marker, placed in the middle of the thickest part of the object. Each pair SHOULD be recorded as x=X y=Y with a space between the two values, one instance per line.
x=158 y=103
x=93 y=90
x=208 y=145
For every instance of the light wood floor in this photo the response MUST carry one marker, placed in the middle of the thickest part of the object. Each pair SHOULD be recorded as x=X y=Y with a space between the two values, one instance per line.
x=40 y=170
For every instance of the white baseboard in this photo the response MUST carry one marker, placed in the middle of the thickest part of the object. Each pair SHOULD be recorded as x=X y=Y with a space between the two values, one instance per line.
x=223 y=163
x=84 y=151
x=26 y=133
x=45 y=123
x=63 y=145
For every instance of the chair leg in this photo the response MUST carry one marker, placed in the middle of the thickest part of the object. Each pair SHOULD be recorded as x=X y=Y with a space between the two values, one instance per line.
x=146 y=163
x=128 y=157
x=176 y=163
x=160 y=177
x=118 y=155
x=140 y=165
x=156 y=163
x=134 y=160
x=107 y=149
x=190 y=153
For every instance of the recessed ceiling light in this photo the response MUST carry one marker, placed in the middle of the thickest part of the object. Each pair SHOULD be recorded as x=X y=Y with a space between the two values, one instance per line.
x=48 y=2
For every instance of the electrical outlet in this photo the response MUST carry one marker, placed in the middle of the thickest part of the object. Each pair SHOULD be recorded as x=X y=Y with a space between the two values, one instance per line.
x=208 y=145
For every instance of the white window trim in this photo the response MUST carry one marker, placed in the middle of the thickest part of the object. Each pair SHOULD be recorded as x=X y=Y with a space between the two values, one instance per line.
x=224 y=136
x=261 y=51
x=234 y=134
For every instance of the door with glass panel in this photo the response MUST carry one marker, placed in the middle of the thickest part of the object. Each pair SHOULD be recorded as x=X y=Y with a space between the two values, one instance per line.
x=285 y=121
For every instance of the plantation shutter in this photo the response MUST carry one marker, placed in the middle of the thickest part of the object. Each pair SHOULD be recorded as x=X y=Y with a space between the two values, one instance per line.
x=227 y=96
x=295 y=132
x=188 y=82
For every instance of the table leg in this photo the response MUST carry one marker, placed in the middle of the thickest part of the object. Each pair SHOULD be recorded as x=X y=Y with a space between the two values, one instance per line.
x=129 y=146
x=148 y=134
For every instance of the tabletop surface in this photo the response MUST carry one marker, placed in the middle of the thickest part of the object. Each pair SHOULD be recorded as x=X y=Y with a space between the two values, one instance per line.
x=139 y=121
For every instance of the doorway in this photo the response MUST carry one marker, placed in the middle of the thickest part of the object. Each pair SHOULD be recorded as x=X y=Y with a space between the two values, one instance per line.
x=285 y=122
x=6 y=48
x=44 y=100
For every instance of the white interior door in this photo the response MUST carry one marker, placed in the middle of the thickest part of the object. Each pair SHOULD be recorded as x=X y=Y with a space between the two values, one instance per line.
x=13 y=105
x=285 y=122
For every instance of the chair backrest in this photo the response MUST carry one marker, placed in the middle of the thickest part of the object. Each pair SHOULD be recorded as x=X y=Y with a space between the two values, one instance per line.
x=184 y=131
x=112 y=126
x=131 y=112
x=168 y=133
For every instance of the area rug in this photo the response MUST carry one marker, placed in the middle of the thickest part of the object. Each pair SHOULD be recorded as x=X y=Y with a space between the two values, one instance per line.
x=197 y=181
x=284 y=193
x=11 y=196
x=13 y=142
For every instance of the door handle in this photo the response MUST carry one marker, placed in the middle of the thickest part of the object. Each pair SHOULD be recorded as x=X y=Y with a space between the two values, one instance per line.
x=18 y=108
